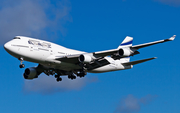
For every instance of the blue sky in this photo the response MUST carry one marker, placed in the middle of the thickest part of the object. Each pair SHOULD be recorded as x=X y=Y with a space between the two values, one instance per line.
x=93 y=26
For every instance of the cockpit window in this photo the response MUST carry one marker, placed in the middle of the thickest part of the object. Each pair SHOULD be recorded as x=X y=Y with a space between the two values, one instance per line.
x=16 y=38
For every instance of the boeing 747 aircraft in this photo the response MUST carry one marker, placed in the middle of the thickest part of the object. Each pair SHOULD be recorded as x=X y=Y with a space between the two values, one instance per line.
x=59 y=61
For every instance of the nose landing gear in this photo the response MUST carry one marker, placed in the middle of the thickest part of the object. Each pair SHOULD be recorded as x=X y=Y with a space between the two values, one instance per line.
x=21 y=65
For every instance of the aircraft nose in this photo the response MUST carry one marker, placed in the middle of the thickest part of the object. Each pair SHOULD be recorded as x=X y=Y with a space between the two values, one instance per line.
x=7 y=46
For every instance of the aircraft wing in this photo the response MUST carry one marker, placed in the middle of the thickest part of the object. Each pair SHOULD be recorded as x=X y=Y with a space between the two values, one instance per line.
x=101 y=54
x=153 y=43
x=69 y=58
x=96 y=55
x=136 y=47
x=92 y=65
x=105 y=53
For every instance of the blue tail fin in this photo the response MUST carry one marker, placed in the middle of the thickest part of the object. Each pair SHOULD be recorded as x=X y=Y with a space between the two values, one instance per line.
x=127 y=42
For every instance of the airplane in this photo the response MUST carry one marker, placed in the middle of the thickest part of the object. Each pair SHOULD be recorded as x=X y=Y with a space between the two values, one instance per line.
x=60 y=61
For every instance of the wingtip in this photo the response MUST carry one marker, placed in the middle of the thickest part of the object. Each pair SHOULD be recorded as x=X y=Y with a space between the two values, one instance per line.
x=172 y=38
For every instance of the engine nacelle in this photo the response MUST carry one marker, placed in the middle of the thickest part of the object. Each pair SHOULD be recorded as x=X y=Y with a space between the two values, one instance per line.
x=85 y=58
x=30 y=73
x=124 y=52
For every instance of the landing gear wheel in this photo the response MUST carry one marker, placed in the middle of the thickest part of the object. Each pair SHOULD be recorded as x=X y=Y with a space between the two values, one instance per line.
x=82 y=74
x=56 y=76
x=74 y=77
x=59 y=79
x=71 y=77
x=21 y=65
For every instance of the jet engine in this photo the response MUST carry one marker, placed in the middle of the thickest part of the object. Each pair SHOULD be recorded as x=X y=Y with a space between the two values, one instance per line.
x=30 y=73
x=125 y=52
x=85 y=58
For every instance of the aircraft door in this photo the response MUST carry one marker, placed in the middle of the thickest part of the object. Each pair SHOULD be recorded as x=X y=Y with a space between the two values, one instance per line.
x=51 y=52
x=31 y=48
x=30 y=45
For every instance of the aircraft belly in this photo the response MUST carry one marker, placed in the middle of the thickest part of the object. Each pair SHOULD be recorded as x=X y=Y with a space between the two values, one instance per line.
x=61 y=65
x=68 y=66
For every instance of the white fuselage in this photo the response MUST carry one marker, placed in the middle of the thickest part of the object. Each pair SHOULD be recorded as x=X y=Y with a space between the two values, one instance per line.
x=44 y=53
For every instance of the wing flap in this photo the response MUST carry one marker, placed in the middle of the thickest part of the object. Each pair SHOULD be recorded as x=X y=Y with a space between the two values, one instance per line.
x=97 y=63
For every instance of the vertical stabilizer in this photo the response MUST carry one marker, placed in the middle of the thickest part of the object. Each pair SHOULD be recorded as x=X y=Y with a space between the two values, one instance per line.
x=127 y=42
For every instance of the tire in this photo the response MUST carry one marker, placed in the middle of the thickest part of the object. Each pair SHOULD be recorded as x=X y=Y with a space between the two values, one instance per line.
x=22 y=66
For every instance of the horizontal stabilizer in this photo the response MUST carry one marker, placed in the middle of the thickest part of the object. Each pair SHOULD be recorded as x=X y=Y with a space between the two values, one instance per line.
x=138 y=61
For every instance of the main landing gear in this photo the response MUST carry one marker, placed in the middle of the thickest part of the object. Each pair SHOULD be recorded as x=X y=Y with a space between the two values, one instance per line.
x=58 y=78
x=21 y=65
x=81 y=75
x=71 y=74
